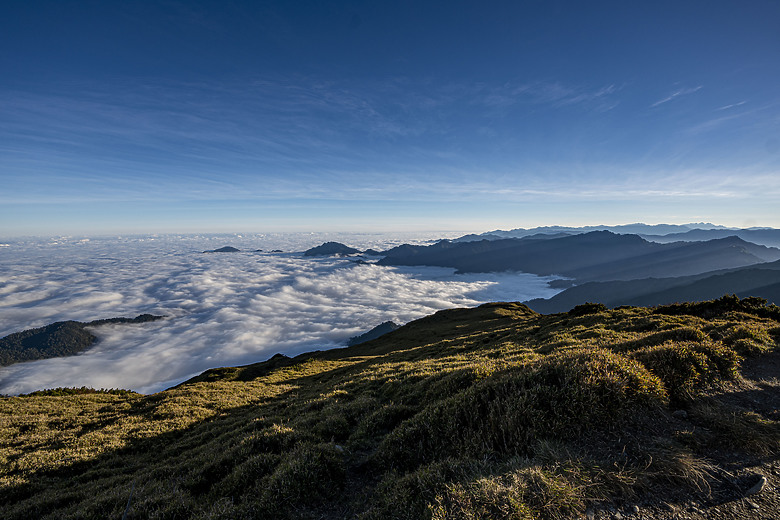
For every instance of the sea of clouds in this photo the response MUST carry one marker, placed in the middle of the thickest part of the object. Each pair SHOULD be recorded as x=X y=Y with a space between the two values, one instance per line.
x=223 y=309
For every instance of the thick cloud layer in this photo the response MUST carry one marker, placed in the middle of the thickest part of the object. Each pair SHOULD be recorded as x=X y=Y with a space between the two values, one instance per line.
x=224 y=308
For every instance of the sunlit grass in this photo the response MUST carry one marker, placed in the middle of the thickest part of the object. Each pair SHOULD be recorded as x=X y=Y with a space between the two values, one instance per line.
x=470 y=413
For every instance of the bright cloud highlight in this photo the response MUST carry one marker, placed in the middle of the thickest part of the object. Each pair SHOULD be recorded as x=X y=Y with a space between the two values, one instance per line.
x=223 y=309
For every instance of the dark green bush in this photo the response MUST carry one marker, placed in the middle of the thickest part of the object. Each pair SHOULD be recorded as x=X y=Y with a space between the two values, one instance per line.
x=722 y=306
x=587 y=308
x=685 y=367
x=557 y=398
x=309 y=474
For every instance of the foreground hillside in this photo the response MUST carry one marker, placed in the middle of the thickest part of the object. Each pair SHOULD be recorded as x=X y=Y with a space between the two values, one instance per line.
x=493 y=412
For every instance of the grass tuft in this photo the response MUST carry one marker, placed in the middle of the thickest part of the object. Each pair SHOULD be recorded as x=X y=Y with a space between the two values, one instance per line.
x=687 y=367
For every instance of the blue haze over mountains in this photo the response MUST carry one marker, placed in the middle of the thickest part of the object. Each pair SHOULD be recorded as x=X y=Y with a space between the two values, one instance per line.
x=654 y=233
x=633 y=264
x=596 y=255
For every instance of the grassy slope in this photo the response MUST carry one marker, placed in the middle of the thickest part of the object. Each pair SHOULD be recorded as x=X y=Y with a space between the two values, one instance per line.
x=469 y=413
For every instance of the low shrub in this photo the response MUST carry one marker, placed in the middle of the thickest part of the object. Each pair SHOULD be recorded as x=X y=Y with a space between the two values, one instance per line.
x=84 y=390
x=685 y=334
x=383 y=420
x=587 y=308
x=721 y=307
x=748 y=340
x=309 y=474
x=525 y=494
x=685 y=367
x=246 y=475
x=408 y=496
x=559 y=396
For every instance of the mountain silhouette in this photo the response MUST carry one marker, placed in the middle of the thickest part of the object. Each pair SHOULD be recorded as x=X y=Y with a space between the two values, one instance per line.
x=331 y=249
x=761 y=280
x=598 y=255
x=63 y=338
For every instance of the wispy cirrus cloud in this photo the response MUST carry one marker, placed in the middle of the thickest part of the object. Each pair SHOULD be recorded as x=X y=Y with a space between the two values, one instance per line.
x=279 y=116
x=676 y=94
x=750 y=120
x=269 y=136
x=733 y=105
x=553 y=94
x=286 y=141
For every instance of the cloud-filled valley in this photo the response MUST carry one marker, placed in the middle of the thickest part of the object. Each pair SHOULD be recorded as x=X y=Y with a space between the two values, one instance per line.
x=223 y=309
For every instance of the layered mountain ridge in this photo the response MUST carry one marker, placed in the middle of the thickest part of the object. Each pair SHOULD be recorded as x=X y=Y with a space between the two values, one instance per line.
x=597 y=255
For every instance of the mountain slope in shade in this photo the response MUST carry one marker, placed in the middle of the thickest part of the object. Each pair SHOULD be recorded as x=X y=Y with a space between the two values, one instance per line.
x=598 y=255
x=331 y=248
x=681 y=259
x=765 y=237
x=759 y=280
x=63 y=338
x=379 y=330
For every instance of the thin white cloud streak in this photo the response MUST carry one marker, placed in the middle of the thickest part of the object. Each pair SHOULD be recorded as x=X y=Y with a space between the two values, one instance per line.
x=577 y=96
x=298 y=139
x=746 y=121
x=291 y=124
x=605 y=183
x=553 y=94
x=733 y=105
x=224 y=309
x=541 y=181
x=280 y=116
x=676 y=94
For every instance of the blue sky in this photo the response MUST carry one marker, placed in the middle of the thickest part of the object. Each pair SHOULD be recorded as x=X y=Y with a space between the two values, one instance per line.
x=121 y=117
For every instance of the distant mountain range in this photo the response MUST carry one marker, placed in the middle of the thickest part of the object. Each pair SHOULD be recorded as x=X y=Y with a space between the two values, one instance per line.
x=226 y=249
x=615 y=266
x=632 y=229
x=655 y=233
x=766 y=237
x=231 y=249
x=593 y=256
